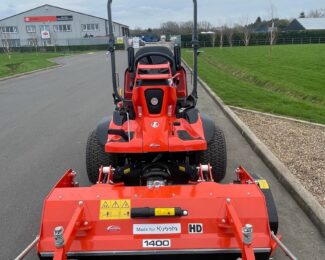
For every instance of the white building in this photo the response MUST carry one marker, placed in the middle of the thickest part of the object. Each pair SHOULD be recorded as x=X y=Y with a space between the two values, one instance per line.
x=51 y=25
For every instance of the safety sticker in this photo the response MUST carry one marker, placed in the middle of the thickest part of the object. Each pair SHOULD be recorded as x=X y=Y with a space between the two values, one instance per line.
x=114 y=209
x=263 y=184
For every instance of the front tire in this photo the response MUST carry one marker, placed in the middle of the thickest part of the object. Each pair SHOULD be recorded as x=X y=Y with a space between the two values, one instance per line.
x=216 y=155
x=96 y=157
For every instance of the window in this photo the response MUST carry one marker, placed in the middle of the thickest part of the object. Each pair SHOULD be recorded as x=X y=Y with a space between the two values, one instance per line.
x=11 y=43
x=90 y=27
x=62 y=28
x=32 y=42
x=9 y=29
x=31 y=28
x=125 y=31
x=44 y=28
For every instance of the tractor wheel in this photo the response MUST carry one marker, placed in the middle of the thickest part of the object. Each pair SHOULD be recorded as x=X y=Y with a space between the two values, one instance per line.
x=216 y=155
x=96 y=157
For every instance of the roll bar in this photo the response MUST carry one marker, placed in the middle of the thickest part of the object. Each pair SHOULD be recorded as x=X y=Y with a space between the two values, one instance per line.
x=192 y=98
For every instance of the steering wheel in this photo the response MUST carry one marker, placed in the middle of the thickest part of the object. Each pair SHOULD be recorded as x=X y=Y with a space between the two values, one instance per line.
x=148 y=56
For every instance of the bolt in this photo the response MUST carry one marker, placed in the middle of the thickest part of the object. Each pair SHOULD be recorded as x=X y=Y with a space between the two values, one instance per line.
x=228 y=200
x=60 y=197
x=223 y=221
x=173 y=194
x=86 y=223
x=211 y=194
x=81 y=203
x=58 y=236
x=185 y=213
x=247 y=231
x=98 y=197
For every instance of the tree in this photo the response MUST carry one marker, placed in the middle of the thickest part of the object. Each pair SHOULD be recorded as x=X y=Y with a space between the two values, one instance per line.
x=170 y=28
x=204 y=26
x=245 y=30
x=258 y=20
x=302 y=15
x=229 y=31
x=273 y=28
x=186 y=27
x=320 y=13
x=137 y=31
x=5 y=38
x=54 y=39
x=221 y=31
x=34 y=41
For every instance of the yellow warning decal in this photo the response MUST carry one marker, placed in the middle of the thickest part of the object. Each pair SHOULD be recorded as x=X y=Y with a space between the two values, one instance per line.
x=164 y=212
x=263 y=184
x=114 y=209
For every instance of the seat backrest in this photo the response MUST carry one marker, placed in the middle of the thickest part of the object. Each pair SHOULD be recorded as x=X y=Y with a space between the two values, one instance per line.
x=154 y=59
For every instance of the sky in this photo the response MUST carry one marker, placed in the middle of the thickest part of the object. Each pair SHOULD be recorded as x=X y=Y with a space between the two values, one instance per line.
x=151 y=13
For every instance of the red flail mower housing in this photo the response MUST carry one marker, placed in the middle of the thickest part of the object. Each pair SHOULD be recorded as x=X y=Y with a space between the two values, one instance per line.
x=156 y=165
x=198 y=218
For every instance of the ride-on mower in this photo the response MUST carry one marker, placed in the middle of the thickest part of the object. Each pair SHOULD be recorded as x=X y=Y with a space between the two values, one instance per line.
x=156 y=165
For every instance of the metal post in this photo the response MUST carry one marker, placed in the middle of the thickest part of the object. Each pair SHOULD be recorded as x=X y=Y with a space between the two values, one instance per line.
x=195 y=44
x=283 y=247
x=111 y=49
x=27 y=249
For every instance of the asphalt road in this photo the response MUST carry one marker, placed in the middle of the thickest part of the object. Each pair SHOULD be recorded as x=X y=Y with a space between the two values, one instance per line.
x=45 y=119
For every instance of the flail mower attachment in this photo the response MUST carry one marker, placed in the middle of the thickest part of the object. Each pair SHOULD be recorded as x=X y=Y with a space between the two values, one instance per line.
x=205 y=217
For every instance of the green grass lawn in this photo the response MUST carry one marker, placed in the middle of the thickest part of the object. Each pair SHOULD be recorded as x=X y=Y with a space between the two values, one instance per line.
x=24 y=62
x=285 y=80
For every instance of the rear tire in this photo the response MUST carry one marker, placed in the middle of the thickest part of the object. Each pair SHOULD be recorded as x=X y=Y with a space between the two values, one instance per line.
x=216 y=155
x=96 y=157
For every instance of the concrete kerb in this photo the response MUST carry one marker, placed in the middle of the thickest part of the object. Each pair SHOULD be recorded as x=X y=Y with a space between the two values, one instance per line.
x=30 y=72
x=304 y=198
x=277 y=116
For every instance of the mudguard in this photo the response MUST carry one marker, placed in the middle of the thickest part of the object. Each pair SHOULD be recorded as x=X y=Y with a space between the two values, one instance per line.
x=102 y=129
x=208 y=127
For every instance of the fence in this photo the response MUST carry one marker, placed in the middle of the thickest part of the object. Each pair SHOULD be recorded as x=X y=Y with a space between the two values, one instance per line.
x=54 y=44
x=256 y=42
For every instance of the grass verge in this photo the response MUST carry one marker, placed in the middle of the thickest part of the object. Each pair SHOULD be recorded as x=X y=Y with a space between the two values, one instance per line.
x=284 y=80
x=25 y=62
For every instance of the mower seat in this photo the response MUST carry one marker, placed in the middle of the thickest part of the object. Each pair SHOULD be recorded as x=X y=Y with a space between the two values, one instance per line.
x=155 y=59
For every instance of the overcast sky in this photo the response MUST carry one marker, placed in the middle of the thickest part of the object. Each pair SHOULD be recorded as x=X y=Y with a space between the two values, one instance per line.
x=151 y=13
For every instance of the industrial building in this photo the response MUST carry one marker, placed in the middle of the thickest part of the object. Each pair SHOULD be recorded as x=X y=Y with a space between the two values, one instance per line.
x=49 y=25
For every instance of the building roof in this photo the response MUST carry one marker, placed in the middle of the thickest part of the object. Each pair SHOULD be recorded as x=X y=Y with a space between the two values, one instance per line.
x=61 y=9
x=312 y=23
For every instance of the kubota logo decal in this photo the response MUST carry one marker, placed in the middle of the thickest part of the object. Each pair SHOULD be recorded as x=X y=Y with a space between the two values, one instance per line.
x=155 y=124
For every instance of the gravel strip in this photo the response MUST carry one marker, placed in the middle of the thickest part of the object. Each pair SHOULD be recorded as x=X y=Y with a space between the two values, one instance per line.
x=301 y=147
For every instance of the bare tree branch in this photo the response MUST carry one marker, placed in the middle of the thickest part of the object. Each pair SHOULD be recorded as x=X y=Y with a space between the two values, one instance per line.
x=273 y=28
x=5 y=38
x=229 y=31
x=245 y=30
